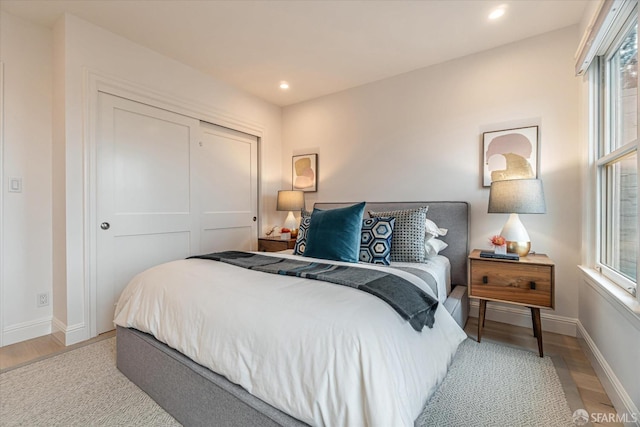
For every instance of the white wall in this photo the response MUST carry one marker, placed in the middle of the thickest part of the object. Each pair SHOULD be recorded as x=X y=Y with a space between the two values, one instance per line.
x=25 y=50
x=417 y=136
x=612 y=337
x=45 y=143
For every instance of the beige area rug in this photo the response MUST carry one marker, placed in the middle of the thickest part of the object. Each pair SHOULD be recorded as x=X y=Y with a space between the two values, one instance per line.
x=495 y=385
x=80 y=387
x=487 y=385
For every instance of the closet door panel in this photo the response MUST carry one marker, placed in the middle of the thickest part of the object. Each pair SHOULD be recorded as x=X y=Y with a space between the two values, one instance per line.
x=143 y=195
x=227 y=171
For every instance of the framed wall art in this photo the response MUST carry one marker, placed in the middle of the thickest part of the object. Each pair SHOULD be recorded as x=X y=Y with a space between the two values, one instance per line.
x=305 y=172
x=510 y=154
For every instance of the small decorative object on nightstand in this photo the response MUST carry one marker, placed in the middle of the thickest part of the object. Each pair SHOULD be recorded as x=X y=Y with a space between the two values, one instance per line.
x=499 y=244
x=275 y=244
x=529 y=281
x=285 y=234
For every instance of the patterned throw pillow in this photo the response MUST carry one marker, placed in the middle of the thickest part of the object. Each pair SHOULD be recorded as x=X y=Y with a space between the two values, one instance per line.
x=301 y=240
x=408 y=233
x=375 y=243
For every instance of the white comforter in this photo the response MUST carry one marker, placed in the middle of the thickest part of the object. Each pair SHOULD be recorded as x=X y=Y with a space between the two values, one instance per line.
x=326 y=354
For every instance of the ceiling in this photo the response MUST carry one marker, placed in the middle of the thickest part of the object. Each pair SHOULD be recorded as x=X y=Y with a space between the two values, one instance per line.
x=318 y=47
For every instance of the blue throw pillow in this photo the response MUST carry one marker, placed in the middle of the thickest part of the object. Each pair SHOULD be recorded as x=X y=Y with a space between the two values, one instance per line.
x=335 y=234
x=375 y=243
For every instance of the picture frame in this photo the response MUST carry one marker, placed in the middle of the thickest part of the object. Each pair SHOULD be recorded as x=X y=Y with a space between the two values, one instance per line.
x=304 y=172
x=510 y=154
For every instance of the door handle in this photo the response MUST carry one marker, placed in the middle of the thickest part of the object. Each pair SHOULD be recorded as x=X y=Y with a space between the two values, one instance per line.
x=255 y=218
x=105 y=225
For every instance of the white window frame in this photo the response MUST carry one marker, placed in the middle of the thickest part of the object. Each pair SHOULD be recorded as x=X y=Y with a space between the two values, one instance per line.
x=601 y=119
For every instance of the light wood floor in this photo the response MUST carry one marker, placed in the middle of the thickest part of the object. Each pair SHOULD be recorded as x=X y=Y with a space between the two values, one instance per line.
x=593 y=395
x=27 y=351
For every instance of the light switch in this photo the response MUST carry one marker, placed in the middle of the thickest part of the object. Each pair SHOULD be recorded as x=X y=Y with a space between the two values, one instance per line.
x=15 y=185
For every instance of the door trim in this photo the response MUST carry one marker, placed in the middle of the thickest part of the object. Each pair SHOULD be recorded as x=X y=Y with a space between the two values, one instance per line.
x=2 y=190
x=95 y=82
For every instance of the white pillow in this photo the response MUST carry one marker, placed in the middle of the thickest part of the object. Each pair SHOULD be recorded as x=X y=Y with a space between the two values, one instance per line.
x=431 y=230
x=433 y=246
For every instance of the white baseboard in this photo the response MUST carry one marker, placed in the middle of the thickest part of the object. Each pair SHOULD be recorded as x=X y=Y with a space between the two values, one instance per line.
x=26 y=331
x=614 y=388
x=521 y=316
x=69 y=335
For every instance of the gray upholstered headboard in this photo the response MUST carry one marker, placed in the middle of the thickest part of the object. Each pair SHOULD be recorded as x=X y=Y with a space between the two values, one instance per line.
x=451 y=215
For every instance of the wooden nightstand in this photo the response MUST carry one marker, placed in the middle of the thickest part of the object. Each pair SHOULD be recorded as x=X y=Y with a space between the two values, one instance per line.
x=528 y=282
x=275 y=244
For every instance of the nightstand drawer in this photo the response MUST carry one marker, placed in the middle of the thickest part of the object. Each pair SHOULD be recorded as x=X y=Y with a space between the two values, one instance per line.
x=275 y=244
x=527 y=284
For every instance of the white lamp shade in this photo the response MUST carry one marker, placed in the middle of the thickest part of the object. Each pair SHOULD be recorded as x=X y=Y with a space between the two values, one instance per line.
x=290 y=200
x=522 y=196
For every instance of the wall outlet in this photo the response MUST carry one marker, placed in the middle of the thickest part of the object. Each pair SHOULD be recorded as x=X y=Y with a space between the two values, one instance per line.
x=43 y=299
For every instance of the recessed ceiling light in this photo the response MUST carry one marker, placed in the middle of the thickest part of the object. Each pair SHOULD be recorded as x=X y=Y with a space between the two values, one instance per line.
x=284 y=85
x=498 y=12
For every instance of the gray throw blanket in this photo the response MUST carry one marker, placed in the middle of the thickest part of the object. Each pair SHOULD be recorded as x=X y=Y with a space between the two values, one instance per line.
x=412 y=303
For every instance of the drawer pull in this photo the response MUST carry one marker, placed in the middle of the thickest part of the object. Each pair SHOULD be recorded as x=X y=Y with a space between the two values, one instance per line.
x=532 y=285
x=485 y=279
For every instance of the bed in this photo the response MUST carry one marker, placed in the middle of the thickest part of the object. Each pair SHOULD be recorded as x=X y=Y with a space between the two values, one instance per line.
x=182 y=376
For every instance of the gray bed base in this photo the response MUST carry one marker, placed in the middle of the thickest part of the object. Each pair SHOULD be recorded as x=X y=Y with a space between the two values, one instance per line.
x=196 y=396
x=191 y=393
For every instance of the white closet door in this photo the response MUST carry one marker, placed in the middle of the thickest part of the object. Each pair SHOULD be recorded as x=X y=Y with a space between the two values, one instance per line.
x=227 y=171
x=168 y=186
x=144 y=205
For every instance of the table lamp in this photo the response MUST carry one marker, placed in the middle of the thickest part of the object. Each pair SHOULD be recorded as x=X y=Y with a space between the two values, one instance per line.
x=290 y=200
x=516 y=196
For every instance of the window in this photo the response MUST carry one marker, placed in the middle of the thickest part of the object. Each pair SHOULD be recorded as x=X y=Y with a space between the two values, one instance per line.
x=617 y=156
